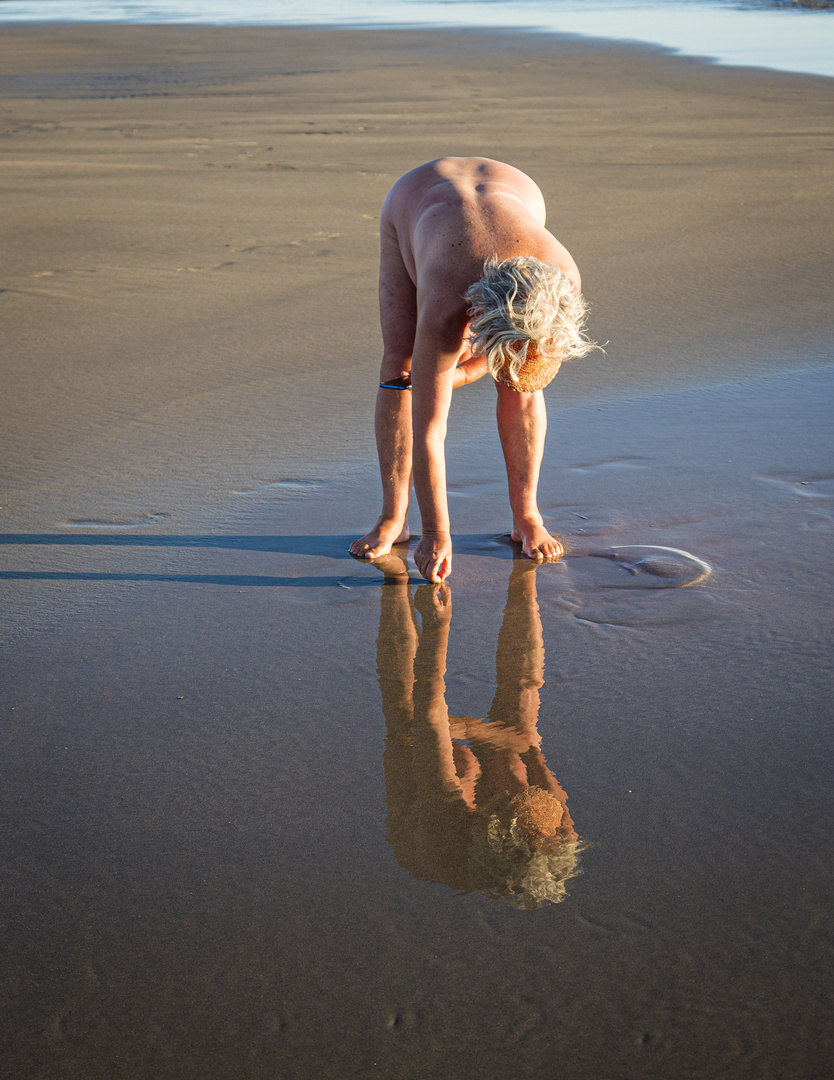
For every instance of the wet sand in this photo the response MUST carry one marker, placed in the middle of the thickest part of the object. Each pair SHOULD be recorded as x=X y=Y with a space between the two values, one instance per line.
x=211 y=753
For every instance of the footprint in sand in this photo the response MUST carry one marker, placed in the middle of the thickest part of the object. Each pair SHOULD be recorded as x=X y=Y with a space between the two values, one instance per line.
x=652 y=567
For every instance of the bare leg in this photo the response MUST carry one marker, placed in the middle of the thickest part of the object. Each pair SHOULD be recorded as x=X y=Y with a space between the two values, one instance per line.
x=522 y=424
x=392 y=424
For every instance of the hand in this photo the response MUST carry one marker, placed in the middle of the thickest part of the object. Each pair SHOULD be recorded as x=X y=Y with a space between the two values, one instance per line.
x=433 y=556
x=470 y=371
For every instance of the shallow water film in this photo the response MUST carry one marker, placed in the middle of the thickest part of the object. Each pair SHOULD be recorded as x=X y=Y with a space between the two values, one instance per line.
x=785 y=35
x=281 y=813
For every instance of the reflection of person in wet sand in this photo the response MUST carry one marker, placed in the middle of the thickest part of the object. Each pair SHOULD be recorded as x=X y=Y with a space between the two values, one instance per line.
x=470 y=281
x=471 y=802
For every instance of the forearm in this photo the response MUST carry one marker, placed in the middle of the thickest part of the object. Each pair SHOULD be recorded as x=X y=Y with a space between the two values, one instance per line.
x=430 y=481
x=432 y=394
x=437 y=348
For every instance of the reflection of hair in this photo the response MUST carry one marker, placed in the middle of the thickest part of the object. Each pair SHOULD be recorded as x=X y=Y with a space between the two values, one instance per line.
x=529 y=850
x=525 y=877
x=524 y=300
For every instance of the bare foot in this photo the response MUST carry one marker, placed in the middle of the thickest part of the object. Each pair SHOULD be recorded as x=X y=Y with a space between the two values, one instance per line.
x=536 y=541
x=380 y=539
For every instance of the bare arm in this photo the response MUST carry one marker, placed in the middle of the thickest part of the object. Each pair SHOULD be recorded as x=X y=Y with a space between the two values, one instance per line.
x=436 y=350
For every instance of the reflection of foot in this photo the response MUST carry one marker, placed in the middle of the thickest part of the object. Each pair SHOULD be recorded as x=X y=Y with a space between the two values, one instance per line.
x=392 y=566
x=380 y=539
x=536 y=541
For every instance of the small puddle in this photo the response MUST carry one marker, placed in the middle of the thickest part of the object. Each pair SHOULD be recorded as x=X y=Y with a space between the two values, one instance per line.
x=647 y=566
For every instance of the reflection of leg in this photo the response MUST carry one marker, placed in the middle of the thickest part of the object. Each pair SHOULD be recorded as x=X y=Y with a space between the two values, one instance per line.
x=519 y=659
x=522 y=425
x=396 y=648
x=519 y=666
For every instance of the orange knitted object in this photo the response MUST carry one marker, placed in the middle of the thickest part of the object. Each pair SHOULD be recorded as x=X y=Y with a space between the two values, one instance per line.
x=538 y=814
x=536 y=372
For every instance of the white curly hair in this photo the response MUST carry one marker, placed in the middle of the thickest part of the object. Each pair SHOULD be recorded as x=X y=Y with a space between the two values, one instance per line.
x=524 y=300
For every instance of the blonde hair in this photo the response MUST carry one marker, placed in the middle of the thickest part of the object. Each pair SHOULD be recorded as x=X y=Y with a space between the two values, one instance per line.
x=524 y=300
x=524 y=877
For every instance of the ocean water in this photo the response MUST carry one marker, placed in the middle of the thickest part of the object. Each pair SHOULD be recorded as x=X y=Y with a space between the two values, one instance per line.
x=781 y=37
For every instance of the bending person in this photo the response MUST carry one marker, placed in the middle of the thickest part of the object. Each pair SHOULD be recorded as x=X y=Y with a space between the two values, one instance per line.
x=471 y=282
